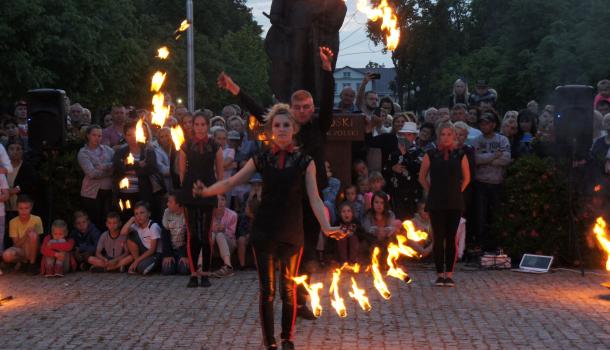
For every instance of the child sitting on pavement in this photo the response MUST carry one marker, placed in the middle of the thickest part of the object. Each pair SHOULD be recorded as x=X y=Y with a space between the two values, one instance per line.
x=111 y=253
x=85 y=236
x=57 y=251
x=24 y=231
x=175 y=259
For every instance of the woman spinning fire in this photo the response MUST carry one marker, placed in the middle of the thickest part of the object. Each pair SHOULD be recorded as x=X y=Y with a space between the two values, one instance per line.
x=277 y=235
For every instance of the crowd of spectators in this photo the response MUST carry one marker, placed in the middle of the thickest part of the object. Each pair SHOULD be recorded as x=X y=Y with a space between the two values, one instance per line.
x=149 y=233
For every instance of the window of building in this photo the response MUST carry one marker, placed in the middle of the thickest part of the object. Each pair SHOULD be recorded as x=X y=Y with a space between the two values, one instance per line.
x=347 y=74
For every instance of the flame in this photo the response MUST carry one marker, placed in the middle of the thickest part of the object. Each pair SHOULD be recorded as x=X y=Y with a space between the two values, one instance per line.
x=389 y=24
x=124 y=183
x=157 y=81
x=597 y=188
x=393 y=256
x=360 y=296
x=251 y=122
x=378 y=281
x=602 y=237
x=355 y=268
x=177 y=136
x=314 y=293
x=162 y=52
x=183 y=26
x=127 y=204
x=121 y=204
x=412 y=233
x=130 y=159
x=140 y=135
x=336 y=301
x=160 y=111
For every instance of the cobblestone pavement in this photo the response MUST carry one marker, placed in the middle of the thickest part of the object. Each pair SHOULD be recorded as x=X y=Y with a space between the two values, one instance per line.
x=488 y=309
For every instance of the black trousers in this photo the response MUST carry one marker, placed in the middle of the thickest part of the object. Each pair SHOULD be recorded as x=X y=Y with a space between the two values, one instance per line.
x=444 y=226
x=98 y=208
x=198 y=223
x=287 y=257
x=488 y=199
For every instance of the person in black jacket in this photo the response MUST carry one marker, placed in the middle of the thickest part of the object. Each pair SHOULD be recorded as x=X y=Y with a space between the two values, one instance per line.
x=311 y=139
x=402 y=173
x=137 y=163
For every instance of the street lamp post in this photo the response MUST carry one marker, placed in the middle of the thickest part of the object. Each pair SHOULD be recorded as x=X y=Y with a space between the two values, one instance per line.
x=190 y=57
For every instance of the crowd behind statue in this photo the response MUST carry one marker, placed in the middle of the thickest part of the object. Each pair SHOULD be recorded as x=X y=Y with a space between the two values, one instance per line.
x=142 y=229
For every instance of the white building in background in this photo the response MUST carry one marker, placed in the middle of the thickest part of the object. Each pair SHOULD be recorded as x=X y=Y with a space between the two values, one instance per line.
x=352 y=77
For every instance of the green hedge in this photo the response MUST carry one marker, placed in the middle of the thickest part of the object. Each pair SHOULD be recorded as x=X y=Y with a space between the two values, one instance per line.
x=535 y=215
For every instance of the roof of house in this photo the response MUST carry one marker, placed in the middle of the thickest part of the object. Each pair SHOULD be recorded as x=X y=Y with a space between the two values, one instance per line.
x=386 y=75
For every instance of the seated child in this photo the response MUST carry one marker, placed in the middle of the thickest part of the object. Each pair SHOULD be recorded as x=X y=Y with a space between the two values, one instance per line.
x=379 y=223
x=57 y=257
x=175 y=259
x=143 y=240
x=349 y=245
x=222 y=234
x=85 y=236
x=363 y=188
x=350 y=195
x=111 y=253
x=376 y=184
x=24 y=231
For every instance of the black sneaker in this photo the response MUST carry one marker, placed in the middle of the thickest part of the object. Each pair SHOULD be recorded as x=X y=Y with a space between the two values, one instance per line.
x=304 y=313
x=440 y=282
x=449 y=282
x=193 y=283
x=287 y=345
x=205 y=282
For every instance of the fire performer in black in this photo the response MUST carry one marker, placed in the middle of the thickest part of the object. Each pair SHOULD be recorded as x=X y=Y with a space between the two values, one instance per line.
x=200 y=159
x=311 y=139
x=277 y=236
x=449 y=175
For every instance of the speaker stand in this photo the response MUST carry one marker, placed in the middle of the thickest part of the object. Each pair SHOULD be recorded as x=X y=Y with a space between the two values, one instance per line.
x=573 y=236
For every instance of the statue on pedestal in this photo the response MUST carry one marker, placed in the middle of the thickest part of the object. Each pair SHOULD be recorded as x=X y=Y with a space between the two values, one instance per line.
x=298 y=29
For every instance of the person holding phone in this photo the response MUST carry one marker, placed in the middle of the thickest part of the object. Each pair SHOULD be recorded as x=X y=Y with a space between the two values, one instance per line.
x=402 y=172
x=367 y=101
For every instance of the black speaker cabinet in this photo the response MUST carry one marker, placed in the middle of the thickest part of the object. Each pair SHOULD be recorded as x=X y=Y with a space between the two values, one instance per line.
x=573 y=122
x=47 y=118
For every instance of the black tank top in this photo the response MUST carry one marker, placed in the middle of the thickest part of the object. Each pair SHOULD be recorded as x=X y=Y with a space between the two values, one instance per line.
x=199 y=166
x=280 y=215
x=445 y=181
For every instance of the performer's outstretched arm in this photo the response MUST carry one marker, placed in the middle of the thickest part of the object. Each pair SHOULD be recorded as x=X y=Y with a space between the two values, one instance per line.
x=225 y=82
x=317 y=206
x=223 y=186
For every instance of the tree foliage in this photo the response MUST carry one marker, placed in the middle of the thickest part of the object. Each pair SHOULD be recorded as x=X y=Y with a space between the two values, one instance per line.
x=524 y=48
x=102 y=52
